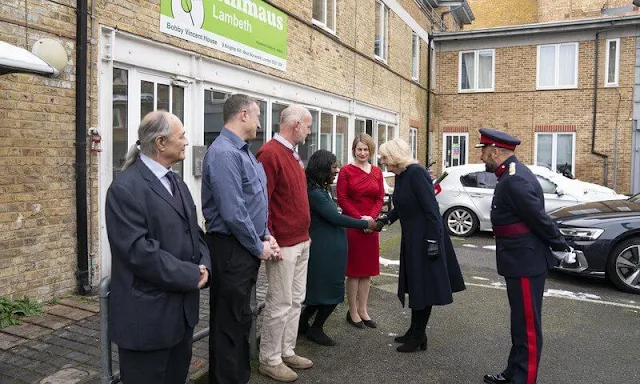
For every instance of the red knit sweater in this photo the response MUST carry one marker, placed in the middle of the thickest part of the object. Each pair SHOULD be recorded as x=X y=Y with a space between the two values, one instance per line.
x=289 y=214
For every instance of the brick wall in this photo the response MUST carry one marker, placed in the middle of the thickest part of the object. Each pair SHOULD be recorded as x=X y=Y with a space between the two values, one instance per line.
x=556 y=10
x=37 y=115
x=517 y=107
x=37 y=132
x=499 y=13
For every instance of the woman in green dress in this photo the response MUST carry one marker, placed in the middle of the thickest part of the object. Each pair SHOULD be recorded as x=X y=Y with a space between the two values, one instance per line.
x=328 y=254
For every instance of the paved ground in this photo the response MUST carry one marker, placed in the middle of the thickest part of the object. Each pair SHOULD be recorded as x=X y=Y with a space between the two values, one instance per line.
x=591 y=334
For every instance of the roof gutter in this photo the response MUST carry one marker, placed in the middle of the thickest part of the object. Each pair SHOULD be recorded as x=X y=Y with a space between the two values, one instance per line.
x=540 y=28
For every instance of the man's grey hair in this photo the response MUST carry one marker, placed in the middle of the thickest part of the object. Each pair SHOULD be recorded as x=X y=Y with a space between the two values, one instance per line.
x=155 y=124
x=235 y=104
x=293 y=114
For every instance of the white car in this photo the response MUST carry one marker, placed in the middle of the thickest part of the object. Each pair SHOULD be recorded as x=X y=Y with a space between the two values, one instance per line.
x=464 y=194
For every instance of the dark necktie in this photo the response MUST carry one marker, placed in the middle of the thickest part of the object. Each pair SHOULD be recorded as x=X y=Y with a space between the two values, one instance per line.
x=173 y=178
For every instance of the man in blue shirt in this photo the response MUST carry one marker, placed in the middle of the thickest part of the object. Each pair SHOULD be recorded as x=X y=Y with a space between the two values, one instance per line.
x=234 y=204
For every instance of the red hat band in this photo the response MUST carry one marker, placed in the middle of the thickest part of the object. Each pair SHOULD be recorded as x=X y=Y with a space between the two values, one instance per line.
x=489 y=141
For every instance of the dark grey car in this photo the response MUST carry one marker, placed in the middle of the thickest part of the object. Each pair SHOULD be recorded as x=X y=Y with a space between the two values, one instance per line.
x=608 y=232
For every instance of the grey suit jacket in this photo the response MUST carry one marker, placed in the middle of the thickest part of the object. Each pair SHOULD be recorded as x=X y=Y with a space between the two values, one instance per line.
x=155 y=249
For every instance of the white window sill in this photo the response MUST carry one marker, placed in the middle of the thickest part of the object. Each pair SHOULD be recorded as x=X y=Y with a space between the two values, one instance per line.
x=557 y=88
x=611 y=85
x=323 y=26
x=488 y=90
x=379 y=59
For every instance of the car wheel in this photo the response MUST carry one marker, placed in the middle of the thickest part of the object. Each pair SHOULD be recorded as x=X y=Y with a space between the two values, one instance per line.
x=623 y=265
x=461 y=221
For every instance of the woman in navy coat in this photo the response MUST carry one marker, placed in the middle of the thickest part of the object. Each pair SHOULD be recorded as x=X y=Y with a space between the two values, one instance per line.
x=429 y=270
x=328 y=253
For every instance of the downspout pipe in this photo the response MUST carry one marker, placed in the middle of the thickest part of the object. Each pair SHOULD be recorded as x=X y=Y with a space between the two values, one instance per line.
x=595 y=113
x=428 y=119
x=82 y=270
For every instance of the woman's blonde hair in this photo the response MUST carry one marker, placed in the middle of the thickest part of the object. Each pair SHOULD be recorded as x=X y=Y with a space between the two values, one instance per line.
x=364 y=139
x=398 y=153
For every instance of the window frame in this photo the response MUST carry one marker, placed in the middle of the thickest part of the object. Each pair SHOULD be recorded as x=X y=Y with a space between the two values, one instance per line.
x=557 y=67
x=444 y=147
x=415 y=57
x=476 y=65
x=554 y=149
x=413 y=141
x=617 y=63
x=323 y=23
x=384 y=28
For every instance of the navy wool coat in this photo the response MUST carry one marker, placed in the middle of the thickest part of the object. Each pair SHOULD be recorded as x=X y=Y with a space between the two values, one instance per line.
x=428 y=282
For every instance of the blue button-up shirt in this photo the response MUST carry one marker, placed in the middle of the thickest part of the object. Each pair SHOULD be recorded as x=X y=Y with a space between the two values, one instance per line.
x=234 y=192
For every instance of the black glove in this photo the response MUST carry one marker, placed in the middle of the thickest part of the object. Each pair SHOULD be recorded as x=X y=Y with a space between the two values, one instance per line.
x=380 y=225
x=433 y=250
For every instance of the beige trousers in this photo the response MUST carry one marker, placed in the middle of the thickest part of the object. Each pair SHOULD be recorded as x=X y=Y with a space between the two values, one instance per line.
x=287 y=287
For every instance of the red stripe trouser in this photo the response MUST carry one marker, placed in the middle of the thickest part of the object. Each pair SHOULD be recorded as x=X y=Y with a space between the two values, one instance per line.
x=525 y=298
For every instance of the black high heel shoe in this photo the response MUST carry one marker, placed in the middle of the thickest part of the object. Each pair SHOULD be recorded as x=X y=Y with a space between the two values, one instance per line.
x=412 y=345
x=359 y=324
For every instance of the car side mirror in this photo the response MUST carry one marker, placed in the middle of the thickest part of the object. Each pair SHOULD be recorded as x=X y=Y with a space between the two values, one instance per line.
x=559 y=191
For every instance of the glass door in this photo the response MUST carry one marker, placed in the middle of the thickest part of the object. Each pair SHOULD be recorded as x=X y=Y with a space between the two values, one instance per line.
x=455 y=149
x=157 y=93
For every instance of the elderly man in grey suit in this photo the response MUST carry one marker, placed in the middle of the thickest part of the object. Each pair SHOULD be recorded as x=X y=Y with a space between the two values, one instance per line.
x=159 y=258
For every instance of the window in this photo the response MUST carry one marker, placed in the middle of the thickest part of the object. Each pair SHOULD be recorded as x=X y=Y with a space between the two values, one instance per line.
x=556 y=151
x=546 y=185
x=612 y=63
x=413 y=141
x=455 y=149
x=480 y=179
x=415 y=57
x=324 y=13
x=213 y=119
x=432 y=75
x=382 y=21
x=120 y=105
x=476 y=71
x=558 y=66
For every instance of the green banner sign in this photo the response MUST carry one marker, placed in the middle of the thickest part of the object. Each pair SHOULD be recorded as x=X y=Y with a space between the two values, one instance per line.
x=251 y=29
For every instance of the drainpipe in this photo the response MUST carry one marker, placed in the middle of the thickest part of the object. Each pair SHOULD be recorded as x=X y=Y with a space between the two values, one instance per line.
x=595 y=112
x=427 y=160
x=82 y=271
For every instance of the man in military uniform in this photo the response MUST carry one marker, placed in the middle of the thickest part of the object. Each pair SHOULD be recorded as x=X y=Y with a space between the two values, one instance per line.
x=525 y=237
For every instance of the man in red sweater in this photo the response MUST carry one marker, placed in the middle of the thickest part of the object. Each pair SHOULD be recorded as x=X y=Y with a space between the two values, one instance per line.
x=289 y=219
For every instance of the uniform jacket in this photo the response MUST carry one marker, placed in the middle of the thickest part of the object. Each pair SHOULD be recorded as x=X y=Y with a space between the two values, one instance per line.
x=428 y=282
x=155 y=250
x=518 y=197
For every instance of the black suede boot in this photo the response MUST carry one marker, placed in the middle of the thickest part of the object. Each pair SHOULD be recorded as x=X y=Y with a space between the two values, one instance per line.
x=305 y=316
x=316 y=332
x=418 y=336
x=405 y=337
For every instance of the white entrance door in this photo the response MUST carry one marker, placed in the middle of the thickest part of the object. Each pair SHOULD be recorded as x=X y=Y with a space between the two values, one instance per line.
x=133 y=95
x=454 y=149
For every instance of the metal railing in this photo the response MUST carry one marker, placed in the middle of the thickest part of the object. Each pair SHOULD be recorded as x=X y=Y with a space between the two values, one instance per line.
x=107 y=375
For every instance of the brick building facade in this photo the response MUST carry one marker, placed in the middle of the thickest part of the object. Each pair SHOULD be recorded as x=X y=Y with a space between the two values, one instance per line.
x=536 y=81
x=358 y=65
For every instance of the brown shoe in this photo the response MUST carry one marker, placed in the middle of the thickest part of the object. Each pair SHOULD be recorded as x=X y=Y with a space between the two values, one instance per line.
x=297 y=362
x=278 y=372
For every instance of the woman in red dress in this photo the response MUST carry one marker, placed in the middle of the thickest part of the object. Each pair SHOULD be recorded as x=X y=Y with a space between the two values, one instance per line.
x=360 y=195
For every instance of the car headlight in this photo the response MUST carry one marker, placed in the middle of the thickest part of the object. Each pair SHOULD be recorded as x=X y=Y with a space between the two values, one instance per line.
x=581 y=234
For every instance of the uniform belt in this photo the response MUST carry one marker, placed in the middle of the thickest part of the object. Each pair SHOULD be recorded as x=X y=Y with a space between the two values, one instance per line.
x=510 y=230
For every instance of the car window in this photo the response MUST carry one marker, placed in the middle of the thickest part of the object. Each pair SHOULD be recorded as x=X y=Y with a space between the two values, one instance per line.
x=479 y=180
x=487 y=180
x=547 y=186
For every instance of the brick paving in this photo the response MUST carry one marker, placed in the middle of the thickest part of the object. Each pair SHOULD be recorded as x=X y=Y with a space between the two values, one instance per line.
x=63 y=345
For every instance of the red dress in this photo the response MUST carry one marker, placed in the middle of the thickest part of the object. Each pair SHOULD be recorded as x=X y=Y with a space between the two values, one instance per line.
x=361 y=194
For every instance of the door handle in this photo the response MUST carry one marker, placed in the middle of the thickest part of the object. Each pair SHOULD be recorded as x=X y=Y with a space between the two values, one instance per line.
x=476 y=195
